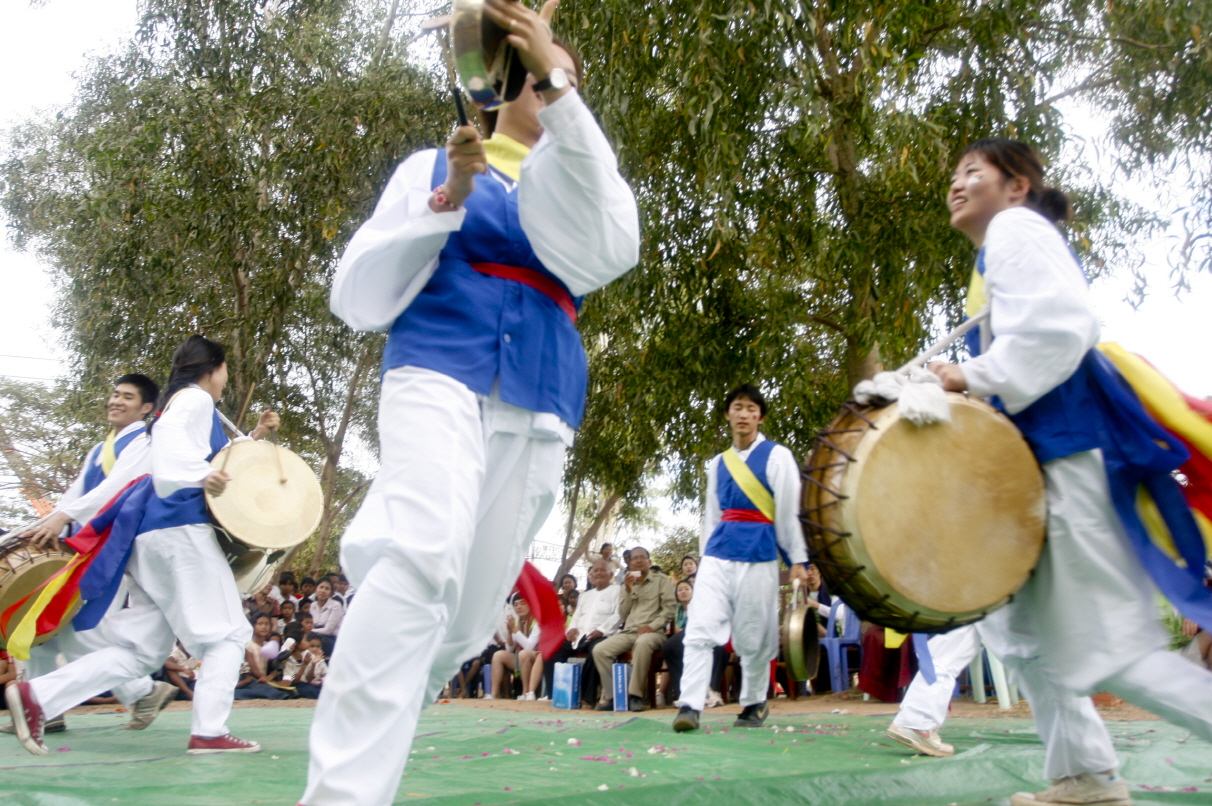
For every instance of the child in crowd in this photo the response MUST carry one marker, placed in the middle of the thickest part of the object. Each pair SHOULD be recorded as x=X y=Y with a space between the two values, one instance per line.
x=182 y=671
x=286 y=615
x=305 y=667
x=255 y=674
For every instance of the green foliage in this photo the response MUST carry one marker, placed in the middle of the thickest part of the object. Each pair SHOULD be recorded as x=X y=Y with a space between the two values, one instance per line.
x=791 y=159
x=676 y=544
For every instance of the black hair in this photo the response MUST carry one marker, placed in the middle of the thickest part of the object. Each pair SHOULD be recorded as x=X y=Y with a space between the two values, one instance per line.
x=605 y=545
x=1016 y=158
x=306 y=580
x=569 y=576
x=749 y=392
x=149 y=390
x=634 y=549
x=312 y=636
x=257 y=616
x=286 y=575
x=302 y=614
x=196 y=358
x=342 y=578
x=689 y=557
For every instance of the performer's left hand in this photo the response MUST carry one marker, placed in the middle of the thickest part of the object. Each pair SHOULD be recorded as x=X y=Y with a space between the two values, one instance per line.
x=952 y=376
x=800 y=572
x=530 y=35
x=644 y=630
x=268 y=421
x=46 y=535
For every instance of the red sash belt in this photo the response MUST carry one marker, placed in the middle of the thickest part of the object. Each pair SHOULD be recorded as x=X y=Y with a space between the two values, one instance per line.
x=539 y=282
x=744 y=516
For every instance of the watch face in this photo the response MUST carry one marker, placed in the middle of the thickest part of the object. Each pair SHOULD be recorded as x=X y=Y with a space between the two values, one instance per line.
x=558 y=78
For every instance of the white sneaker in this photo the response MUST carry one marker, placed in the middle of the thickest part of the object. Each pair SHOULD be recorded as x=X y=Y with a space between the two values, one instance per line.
x=489 y=697
x=527 y=697
x=660 y=699
x=1078 y=789
x=929 y=744
x=143 y=712
x=544 y=699
x=714 y=700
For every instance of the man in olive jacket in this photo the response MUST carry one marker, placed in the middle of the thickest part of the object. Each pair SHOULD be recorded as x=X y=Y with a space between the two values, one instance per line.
x=646 y=605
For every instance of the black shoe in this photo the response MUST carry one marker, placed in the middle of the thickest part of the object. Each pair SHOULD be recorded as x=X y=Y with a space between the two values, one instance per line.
x=754 y=716
x=635 y=703
x=687 y=719
x=604 y=706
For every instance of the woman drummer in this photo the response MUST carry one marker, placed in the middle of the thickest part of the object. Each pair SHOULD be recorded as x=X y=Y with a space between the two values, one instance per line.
x=180 y=584
x=1085 y=621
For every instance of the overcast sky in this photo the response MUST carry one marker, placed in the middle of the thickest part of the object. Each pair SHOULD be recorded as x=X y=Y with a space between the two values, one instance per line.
x=41 y=47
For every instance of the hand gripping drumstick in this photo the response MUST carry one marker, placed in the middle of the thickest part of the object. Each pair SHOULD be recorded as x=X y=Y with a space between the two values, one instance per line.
x=921 y=358
x=273 y=435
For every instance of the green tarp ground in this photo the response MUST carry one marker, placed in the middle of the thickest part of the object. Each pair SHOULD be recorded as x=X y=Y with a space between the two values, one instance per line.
x=470 y=756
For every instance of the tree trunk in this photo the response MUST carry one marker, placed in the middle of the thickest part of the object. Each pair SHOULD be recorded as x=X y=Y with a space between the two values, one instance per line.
x=603 y=515
x=32 y=491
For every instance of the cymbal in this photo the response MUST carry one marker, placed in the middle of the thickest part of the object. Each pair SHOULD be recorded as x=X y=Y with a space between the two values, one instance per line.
x=488 y=66
x=260 y=509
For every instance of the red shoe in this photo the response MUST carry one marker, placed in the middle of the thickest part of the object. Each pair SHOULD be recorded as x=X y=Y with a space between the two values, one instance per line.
x=220 y=744
x=28 y=719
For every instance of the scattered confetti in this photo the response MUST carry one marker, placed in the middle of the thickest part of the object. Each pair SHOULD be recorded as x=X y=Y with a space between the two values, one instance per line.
x=604 y=787
x=633 y=772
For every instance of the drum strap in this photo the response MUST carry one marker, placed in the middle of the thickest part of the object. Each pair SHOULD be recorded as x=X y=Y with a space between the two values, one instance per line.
x=748 y=481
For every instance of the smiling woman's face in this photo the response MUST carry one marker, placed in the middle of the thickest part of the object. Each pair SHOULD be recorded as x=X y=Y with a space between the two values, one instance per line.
x=978 y=192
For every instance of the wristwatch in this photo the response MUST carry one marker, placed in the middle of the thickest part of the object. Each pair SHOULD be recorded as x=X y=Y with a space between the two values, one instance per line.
x=557 y=79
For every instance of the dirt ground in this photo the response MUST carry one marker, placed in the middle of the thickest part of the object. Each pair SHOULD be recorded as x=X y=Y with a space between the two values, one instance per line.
x=849 y=703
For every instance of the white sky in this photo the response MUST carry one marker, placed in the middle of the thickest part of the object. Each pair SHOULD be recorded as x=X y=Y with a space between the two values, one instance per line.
x=40 y=47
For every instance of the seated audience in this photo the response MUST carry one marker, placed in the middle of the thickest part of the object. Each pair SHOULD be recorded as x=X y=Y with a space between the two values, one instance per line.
x=623 y=568
x=818 y=598
x=286 y=615
x=327 y=614
x=571 y=600
x=305 y=667
x=596 y=617
x=255 y=675
x=884 y=672
x=690 y=567
x=286 y=586
x=341 y=591
x=182 y=671
x=646 y=605
x=520 y=654
x=307 y=590
x=260 y=602
x=567 y=583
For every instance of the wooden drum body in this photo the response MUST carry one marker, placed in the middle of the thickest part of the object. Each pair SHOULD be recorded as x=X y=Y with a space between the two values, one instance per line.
x=23 y=568
x=924 y=528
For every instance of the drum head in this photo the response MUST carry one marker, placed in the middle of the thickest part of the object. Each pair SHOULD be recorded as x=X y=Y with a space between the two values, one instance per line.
x=257 y=508
x=952 y=515
x=23 y=568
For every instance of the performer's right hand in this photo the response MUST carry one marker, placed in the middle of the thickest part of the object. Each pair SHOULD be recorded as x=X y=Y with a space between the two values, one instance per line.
x=46 y=535
x=216 y=482
x=465 y=157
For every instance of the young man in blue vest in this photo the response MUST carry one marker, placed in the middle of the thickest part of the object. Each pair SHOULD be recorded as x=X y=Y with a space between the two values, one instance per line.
x=111 y=464
x=475 y=261
x=753 y=506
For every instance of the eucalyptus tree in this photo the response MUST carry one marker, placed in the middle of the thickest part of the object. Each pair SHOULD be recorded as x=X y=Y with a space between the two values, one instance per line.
x=205 y=179
x=791 y=158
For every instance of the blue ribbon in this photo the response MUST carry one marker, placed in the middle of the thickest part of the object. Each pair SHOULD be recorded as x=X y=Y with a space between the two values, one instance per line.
x=925 y=661
x=100 y=582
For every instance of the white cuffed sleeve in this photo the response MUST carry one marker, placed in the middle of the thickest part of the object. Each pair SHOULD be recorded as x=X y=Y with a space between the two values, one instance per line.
x=133 y=462
x=783 y=475
x=392 y=256
x=180 y=442
x=1041 y=318
x=576 y=209
x=711 y=504
x=76 y=489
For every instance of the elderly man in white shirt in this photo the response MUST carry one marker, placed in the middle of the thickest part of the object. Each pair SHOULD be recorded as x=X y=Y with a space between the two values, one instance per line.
x=597 y=618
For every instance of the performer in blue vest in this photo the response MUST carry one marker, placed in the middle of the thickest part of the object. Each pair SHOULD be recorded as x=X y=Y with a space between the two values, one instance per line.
x=109 y=466
x=1086 y=620
x=475 y=262
x=752 y=517
x=180 y=585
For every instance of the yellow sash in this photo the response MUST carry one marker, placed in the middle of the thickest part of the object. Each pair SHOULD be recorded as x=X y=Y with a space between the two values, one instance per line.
x=748 y=482
x=976 y=294
x=108 y=455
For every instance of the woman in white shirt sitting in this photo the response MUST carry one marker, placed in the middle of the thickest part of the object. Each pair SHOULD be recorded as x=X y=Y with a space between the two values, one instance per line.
x=326 y=613
x=520 y=653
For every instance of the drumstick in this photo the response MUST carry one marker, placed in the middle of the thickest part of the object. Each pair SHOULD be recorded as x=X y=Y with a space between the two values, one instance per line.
x=459 y=108
x=946 y=341
x=273 y=435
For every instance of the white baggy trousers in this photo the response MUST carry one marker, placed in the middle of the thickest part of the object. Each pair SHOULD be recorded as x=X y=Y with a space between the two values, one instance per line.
x=434 y=550
x=73 y=645
x=1087 y=621
x=181 y=588
x=737 y=598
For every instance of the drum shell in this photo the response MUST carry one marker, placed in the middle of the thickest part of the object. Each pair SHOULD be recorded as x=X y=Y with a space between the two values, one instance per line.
x=23 y=568
x=830 y=515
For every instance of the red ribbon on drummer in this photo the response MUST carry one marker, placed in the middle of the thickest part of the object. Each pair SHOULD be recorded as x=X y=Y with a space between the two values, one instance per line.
x=744 y=516
x=536 y=280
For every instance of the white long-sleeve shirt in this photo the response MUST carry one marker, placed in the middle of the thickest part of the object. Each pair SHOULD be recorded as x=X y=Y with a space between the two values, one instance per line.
x=1041 y=317
x=577 y=211
x=181 y=442
x=326 y=619
x=134 y=461
x=596 y=610
x=783 y=476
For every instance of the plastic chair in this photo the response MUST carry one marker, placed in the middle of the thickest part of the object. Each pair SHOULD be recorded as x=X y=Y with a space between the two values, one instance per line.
x=835 y=647
x=1007 y=694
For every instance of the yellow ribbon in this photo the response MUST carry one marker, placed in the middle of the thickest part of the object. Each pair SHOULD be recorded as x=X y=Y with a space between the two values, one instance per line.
x=976 y=294
x=505 y=154
x=22 y=639
x=1160 y=397
x=894 y=639
x=748 y=482
x=109 y=456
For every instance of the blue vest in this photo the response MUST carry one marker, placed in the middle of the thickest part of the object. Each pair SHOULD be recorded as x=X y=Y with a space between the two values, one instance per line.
x=186 y=506
x=742 y=541
x=478 y=329
x=94 y=474
x=1067 y=419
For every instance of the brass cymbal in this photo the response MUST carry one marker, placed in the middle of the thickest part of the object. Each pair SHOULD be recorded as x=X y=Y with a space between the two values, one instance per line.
x=801 y=644
x=258 y=507
x=488 y=66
